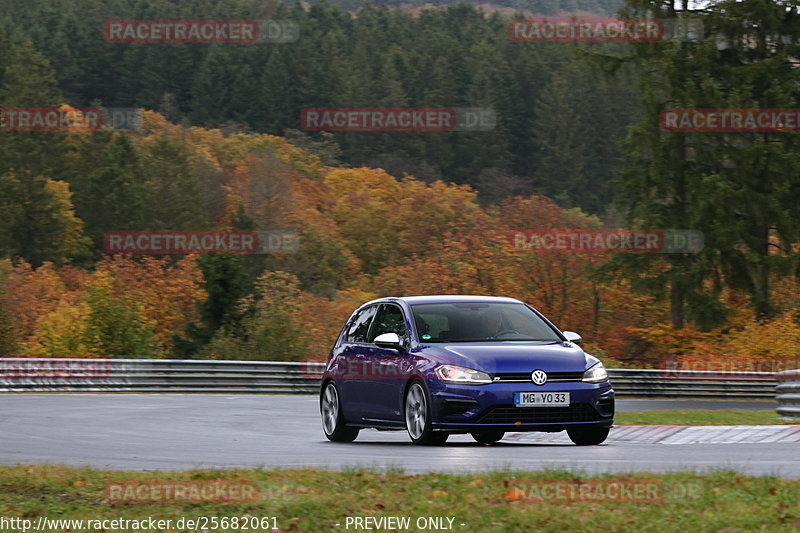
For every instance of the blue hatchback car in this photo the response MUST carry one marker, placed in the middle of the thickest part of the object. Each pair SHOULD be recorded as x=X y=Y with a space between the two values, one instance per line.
x=440 y=365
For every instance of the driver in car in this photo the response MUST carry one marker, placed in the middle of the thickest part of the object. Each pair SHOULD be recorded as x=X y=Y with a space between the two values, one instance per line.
x=494 y=323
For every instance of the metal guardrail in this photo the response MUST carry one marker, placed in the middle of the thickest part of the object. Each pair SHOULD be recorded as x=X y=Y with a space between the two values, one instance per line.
x=693 y=384
x=187 y=376
x=158 y=375
x=788 y=395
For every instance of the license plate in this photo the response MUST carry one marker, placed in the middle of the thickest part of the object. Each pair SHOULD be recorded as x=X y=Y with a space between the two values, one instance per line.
x=541 y=399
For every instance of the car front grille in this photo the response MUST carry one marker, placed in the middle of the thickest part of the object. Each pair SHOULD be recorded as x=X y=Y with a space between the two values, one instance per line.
x=577 y=412
x=526 y=376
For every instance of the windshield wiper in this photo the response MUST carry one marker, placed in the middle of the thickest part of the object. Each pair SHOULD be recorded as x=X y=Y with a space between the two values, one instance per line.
x=491 y=339
x=460 y=340
x=524 y=340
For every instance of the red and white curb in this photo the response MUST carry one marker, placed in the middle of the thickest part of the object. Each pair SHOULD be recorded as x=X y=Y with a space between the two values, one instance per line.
x=678 y=435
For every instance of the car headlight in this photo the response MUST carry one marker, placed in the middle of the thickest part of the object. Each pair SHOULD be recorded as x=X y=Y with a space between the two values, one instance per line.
x=459 y=374
x=596 y=374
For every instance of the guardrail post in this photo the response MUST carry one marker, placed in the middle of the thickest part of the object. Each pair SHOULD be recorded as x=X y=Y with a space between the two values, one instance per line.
x=788 y=395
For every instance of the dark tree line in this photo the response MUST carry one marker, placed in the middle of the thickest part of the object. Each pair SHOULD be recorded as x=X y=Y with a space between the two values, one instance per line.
x=558 y=123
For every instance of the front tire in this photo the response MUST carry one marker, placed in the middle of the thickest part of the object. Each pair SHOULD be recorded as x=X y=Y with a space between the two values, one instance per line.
x=418 y=417
x=488 y=437
x=333 y=423
x=588 y=437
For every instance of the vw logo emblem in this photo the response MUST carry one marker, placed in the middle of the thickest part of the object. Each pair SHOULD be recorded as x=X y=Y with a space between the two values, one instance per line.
x=538 y=377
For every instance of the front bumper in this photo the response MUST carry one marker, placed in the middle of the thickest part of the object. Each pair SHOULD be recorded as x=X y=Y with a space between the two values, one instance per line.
x=472 y=408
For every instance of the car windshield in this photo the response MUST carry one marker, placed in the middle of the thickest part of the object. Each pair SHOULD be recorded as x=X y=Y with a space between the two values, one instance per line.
x=480 y=322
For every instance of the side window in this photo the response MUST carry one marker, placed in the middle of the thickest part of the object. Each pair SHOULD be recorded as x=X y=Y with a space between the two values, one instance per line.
x=360 y=326
x=388 y=320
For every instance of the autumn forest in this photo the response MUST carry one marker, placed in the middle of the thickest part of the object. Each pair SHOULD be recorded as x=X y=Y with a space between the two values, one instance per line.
x=219 y=146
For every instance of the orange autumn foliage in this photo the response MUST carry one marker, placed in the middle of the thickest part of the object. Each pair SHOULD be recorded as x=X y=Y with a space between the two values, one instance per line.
x=33 y=293
x=166 y=292
x=50 y=309
x=365 y=234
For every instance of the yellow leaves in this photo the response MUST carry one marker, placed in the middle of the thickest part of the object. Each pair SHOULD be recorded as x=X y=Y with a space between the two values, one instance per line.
x=278 y=290
x=775 y=339
x=50 y=310
x=43 y=206
x=757 y=342
x=300 y=160
x=362 y=184
x=151 y=283
x=153 y=122
x=31 y=294
x=62 y=332
x=742 y=344
x=385 y=221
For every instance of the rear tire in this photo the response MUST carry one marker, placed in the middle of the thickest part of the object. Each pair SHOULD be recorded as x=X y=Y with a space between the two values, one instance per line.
x=333 y=422
x=488 y=437
x=588 y=437
x=418 y=416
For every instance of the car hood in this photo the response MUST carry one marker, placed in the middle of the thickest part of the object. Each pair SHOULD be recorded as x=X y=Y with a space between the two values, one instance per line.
x=512 y=356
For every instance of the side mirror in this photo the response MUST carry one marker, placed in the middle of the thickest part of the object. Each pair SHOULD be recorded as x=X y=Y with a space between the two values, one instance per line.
x=388 y=340
x=573 y=337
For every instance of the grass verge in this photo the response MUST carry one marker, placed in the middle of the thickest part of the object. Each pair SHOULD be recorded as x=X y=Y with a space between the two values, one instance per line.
x=317 y=500
x=700 y=417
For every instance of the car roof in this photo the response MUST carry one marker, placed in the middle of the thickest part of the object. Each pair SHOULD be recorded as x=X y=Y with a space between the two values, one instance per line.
x=447 y=298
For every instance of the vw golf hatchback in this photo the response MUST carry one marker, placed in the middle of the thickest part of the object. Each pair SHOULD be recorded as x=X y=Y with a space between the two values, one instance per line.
x=441 y=365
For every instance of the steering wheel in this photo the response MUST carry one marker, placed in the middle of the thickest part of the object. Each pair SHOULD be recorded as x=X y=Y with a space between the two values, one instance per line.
x=505 y=331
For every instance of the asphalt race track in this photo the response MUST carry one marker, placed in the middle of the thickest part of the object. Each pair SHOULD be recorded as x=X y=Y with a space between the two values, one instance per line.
x=165 y=431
